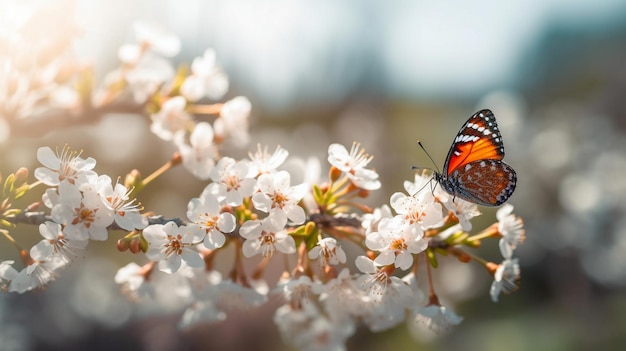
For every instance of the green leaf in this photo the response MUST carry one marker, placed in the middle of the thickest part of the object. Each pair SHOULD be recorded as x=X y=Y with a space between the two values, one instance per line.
x=7 y=224
x=318 y=195
x=300 y=231
x=12 y=212
x=432 y=258
x=8 y=185
x=21 y=191
x=311 y=240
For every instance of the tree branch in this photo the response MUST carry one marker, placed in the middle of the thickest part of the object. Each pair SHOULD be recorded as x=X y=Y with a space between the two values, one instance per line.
x=42 y=123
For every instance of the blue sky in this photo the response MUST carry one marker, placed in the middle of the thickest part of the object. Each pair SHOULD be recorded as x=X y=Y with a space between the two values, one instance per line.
x=285 y=52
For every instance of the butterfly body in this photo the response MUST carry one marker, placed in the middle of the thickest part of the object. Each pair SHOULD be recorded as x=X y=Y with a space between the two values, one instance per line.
x=474 y=170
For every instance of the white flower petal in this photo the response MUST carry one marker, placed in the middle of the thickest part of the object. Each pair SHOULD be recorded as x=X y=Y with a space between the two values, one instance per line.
x=365 y=265
x=214 y=239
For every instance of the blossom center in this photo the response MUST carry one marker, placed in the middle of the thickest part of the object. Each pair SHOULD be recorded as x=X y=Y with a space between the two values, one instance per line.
x=279 y=200
x=267 y=241
x=398 y=245
x=68 y=173
x=84 y=215
x=210 y=222
x=232 y=183
x=174 y=245
x=415 y=217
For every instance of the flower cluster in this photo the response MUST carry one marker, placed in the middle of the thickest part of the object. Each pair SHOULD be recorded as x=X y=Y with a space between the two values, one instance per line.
x=174 y=97
x=251 y=205
x=249 y=213
x=83 y=206
x=38 y=72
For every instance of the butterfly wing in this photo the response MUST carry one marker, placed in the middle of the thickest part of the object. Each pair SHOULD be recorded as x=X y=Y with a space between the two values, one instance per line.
x=478 y=139
x=484 y=182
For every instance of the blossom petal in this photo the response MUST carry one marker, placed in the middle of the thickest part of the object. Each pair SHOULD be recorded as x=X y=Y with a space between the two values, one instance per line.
x=226 y=222
x=287 y=245
x=47 y=157
x=365 y=265
x=385 y=258
x=250 y=247
x=171 y=264
x=214 y=239
x=192 y=258
x=296 y=214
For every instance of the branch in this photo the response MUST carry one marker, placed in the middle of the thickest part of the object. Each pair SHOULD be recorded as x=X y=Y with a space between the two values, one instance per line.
x=36 y=218
x=42 y=123
x=324 y=220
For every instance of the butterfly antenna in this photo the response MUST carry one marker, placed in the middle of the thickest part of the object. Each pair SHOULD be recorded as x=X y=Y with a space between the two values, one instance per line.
x=422 y=188
x=427 y=154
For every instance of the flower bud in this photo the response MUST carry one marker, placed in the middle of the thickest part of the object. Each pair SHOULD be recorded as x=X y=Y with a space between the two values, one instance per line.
x=334 y=173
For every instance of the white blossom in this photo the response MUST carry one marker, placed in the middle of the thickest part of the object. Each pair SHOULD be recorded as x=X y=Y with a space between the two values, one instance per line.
x=277 y=196
x=328 y=252
x=353 y=164
x=437 y=318
x=232 y=181
x=205 y=213
x=511 y=227
x=133 y=281
x=505 y=278
x=65 y=166
x=172 y=245
x=200 y=154
x=117 y=199
x=172 y=119
x=419 y=210
x=264 y=162
x=7 y=274
x=396 y=242
x=83 y=214
x=266 y=236
x=55 y=243
x=233 y=121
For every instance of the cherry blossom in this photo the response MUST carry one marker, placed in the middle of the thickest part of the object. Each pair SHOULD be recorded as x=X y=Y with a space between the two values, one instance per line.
x=353 y=164
x=266 y=236
x=276 y=195
x=264 y=162
x=83 y=214
x=7 y=274
x=511 y=227
x=207 y=78
x=300 y=290
x=233 y=120
x=343 y=299
x=308 y=329
x=133 y=281
x=64 y=167
x=205 y=213
x=172 y=245
x=419 y=210
x=117 y=199
x=505 y=278
x=56 y=244
x=233 y=181
x=462 y=210
x=328 y=252
x=396 y=242
x=172 y=119
x=200 y=154
x=437 y=318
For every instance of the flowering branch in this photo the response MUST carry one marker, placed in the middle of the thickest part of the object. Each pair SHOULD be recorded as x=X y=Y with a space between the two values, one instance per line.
x=249 y=204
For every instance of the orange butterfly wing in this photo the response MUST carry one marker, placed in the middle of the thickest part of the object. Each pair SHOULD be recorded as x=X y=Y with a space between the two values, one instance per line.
x=478 y=139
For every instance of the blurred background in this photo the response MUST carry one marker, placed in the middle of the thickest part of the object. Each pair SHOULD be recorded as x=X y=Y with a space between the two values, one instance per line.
x=384 y=74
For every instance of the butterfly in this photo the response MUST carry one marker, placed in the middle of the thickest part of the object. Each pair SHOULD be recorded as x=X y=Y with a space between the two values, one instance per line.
x=474 y=170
